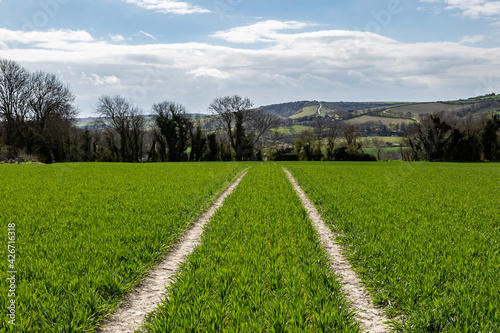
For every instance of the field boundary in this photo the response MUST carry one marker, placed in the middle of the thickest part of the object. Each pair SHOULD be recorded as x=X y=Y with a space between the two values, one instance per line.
x=146 y=296
x=371 y=318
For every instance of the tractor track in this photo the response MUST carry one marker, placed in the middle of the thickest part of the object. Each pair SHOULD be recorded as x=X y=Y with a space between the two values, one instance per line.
x=146 y=297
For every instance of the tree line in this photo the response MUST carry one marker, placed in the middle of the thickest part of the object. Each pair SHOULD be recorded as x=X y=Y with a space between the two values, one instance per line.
x=329 y=140
x=36 y=112
x=442 y=136
x=37 y=120
x=447 y=137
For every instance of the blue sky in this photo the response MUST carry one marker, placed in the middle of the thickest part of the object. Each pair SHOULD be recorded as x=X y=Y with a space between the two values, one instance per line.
x=271 y=51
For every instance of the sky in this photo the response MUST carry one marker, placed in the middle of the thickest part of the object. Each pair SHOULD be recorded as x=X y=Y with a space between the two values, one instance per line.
x=271 y=51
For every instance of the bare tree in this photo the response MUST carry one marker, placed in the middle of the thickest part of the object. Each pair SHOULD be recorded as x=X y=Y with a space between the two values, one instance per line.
x=174 y=129
x=50 y=114
x=320 y=127
x=260 y=123
x=276 y=138
x=378 y=145
x=304 y=145
x=14 y=92
x=137 y=124
x=49 y=98
x=332 y=132
x=433 y=134
x=127 y=121
x=233 y=111
x=36 y=111
x=236 y=116
x=412 y=141
x=351 y=135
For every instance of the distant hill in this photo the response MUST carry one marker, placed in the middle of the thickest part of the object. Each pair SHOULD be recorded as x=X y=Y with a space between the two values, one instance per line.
x=476 y=106
x=295 y=110
x=305 y=110
x=302 y=113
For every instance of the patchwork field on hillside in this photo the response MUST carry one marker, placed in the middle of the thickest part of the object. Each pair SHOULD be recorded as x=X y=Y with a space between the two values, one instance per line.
x=424 y=108
x=384 y=120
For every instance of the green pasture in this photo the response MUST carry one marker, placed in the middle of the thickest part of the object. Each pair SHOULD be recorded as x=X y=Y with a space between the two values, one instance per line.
x=423 y=236
x=260 y=268
x=86 y=233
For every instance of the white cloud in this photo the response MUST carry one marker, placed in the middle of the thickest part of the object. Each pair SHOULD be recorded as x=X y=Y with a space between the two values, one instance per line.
x=116 y=38
x=472 y=8
x=472 y=39
x=291 y=65
x=265 y=31
x=41 y=37
x=209 y=72
x=147 y=35
x=169 y=6
x=97 y=80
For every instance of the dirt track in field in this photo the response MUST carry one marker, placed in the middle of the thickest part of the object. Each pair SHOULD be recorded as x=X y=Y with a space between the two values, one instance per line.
x=371 y=318
x=146 y=297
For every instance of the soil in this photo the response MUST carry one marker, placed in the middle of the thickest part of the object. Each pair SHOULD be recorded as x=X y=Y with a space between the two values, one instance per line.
x=146 y=297
x=371 y=318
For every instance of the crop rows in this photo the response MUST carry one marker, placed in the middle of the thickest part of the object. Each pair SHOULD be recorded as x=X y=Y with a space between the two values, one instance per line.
x=259 y=268
x=424 y=237
x=86 y=233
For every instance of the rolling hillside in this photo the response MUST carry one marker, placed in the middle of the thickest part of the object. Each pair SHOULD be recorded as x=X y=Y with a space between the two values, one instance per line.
x=489 y=104
x=297 y=110
x=302 y=114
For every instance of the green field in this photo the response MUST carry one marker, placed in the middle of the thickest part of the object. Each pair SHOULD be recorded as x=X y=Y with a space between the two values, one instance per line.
x=384 y=139
x=424 y=237
x=260 y=268
x=306 y=112
x=424 y=108
x=477 y=99
x=385 y=120
x=296 y=129
x=373 y=151
x=86 y=233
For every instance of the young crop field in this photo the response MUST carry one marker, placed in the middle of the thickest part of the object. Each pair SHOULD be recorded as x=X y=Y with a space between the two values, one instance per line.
x=384 y=120
x=296 y=129
x=306 y=112
x=390 y=139
x=423 y=108
x=86 y=233
x=424 y=237
x=260 y=268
